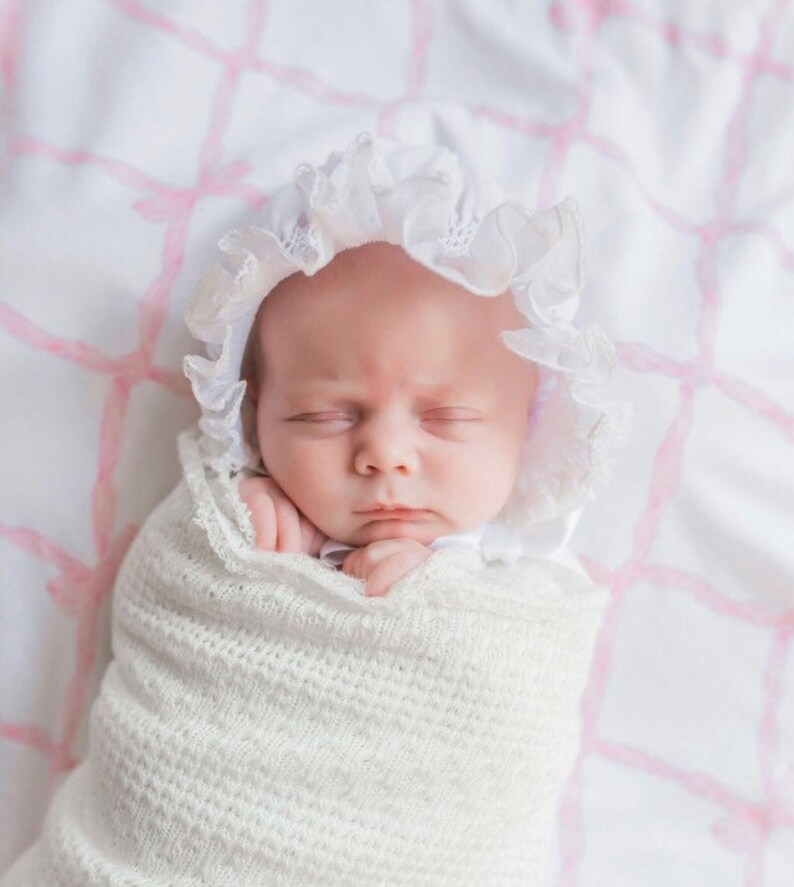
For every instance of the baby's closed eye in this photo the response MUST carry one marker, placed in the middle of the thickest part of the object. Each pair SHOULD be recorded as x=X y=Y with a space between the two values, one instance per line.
x=322 y=417
x=444 y=414
x=326 y=422
x=453 y=414
x=454 y=423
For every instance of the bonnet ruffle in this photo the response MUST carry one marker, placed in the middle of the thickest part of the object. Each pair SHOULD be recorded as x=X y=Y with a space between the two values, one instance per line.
x=423 y=199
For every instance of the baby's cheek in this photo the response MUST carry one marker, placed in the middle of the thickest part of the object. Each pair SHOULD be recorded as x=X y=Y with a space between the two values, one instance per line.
x=296 y=467
x=493 y=477
x=318 y=491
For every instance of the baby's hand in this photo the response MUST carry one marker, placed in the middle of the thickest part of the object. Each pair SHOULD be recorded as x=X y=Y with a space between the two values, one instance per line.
x=278 y=524
x=384 y=563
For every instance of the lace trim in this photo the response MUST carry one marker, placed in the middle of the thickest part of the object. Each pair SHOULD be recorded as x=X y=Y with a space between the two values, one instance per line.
x=302 y=242
x=524 y=591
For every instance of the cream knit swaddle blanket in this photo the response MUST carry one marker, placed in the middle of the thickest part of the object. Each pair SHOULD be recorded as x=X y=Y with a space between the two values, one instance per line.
x=265 y=723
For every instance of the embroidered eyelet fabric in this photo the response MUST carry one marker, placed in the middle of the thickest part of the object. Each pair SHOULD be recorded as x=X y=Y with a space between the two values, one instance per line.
x=467 y=231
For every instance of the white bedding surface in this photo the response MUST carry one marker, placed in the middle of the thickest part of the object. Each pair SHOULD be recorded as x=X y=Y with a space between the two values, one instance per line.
x=135 y=133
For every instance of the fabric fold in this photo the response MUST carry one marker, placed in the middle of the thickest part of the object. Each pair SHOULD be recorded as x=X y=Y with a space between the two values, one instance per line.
x=264 y=722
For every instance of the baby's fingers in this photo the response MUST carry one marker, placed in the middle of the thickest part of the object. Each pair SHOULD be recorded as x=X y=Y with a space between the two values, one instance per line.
x=263 y=512
x=362 y=561
x=278 y=524
x=287 y=525
x=391 y=569
x=312 y=539
x=353 y=565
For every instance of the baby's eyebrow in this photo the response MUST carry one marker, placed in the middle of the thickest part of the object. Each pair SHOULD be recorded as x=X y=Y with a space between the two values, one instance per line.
x=341 y=392
x=322 y=386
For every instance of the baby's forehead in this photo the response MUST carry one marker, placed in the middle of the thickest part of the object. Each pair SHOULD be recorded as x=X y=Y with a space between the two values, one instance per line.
x=375 y=318
x=378 y=283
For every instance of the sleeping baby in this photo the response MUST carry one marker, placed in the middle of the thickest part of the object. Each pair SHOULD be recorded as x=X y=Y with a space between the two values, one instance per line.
x=349 y=646
x=388 y=412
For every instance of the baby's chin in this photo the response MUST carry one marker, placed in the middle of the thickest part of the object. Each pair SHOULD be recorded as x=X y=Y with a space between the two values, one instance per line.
x=424 y=530
x=377 y=530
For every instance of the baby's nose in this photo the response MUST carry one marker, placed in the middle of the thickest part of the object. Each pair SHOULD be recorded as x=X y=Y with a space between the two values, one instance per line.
x=386 y=448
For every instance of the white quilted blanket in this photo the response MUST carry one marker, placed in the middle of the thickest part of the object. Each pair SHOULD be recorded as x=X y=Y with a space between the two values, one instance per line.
x=263 y=722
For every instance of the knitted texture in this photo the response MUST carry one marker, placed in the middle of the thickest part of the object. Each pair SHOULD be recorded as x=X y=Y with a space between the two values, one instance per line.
x=263 y=722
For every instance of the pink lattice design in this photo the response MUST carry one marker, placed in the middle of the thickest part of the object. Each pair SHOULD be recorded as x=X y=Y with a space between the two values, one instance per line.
x=740 y=806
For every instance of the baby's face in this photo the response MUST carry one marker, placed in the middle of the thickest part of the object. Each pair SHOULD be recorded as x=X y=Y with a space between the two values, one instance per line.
x=382 y=384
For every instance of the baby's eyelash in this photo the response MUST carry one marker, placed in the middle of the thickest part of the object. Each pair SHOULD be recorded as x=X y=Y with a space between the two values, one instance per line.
x=446 y=415
x=321 y=417
x=456 y=418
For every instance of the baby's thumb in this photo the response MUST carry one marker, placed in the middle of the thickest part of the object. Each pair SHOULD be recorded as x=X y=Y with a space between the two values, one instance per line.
x=312 y=539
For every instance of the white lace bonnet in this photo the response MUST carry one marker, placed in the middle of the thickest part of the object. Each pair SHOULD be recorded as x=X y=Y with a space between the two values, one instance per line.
x=422 y=198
